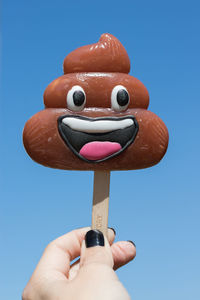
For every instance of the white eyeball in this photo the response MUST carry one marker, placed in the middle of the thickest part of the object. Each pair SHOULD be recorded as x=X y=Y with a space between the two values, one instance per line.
x=76 y=98
x=119 y=98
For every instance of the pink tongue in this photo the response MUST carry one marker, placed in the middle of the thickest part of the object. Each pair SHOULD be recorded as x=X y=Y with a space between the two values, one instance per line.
x=99 y=150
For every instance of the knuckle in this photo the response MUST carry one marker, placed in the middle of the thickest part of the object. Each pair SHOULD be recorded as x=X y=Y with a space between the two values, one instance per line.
x=97 y=257
x=26 y=294
x=50 y=246
x=35 y=290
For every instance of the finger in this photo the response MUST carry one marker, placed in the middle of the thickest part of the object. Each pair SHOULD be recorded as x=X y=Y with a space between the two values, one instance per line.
x=96 y=272
x=74 y=268
x=123 y=252
x=96 y=249
x=60 y=252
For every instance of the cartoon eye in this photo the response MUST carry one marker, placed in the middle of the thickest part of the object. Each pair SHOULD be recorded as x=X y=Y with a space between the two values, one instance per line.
x=76 y=98
x=119 y=98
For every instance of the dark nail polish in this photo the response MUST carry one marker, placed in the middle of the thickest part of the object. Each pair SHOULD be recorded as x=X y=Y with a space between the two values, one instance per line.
x=113 y=230
x=94 y=238
x=132 y=243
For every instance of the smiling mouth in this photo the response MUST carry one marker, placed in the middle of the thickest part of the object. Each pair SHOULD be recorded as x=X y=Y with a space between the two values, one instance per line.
x=97 y=139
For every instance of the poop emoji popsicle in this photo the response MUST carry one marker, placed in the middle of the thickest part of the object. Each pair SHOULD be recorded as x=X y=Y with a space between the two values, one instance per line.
x=96 y=118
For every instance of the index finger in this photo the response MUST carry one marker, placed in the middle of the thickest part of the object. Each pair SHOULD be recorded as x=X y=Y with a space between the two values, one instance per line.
x=55 y=261
x=60 y=252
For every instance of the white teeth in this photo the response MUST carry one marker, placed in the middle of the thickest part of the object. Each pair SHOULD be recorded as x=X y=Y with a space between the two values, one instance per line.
x=98 y=126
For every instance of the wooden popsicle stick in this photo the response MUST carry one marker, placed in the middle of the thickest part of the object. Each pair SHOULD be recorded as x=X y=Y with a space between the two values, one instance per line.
x=101 y=201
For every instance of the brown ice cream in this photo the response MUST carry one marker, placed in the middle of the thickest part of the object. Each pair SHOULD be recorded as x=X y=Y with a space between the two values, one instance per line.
x=96 y=116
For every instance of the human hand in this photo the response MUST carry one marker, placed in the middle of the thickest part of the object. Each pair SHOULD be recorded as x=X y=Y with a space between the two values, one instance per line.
x=91 y=277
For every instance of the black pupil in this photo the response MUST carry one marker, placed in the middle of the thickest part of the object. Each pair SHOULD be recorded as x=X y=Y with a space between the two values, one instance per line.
x=78 y=98
x=122 y=97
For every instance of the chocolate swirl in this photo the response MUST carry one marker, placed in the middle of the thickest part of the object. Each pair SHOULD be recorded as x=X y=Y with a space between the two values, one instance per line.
x=108 y=55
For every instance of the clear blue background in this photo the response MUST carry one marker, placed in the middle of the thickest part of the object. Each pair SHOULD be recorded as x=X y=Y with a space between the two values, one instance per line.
x=157 y=208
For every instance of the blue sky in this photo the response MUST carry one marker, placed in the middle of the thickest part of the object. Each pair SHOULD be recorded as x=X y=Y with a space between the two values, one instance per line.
x=157 y=208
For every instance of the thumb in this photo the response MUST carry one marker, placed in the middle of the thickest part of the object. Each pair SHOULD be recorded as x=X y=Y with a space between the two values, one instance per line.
x=96 y=275
x=96 y=250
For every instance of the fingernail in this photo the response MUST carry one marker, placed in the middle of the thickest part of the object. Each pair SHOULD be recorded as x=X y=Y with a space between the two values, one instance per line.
x=113 y=230
x=132 y=243
x=94 y=238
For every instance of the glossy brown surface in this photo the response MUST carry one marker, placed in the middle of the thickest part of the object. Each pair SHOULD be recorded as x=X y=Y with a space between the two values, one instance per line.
x=108 y=55
x=96 y=68
x=44 y=144
x=98 y=88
